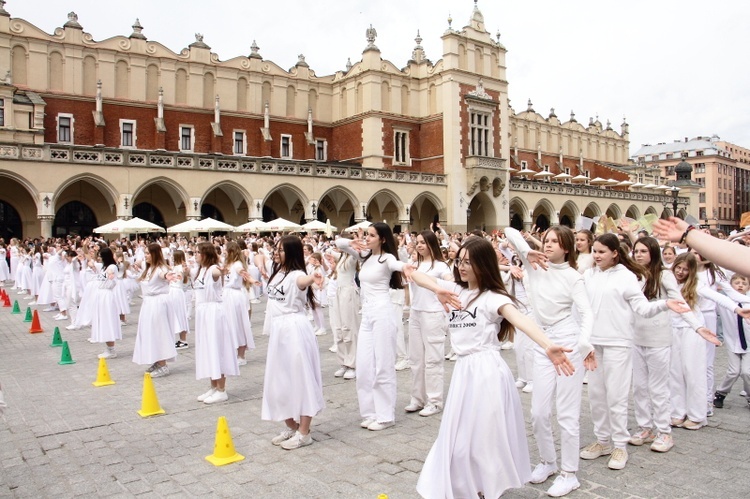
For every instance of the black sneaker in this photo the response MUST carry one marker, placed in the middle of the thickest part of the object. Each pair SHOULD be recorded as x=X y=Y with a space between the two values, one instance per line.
x=719 y=400
x=181 y=345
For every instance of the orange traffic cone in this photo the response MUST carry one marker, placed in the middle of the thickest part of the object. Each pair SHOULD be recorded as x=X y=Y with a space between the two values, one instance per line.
x=36 y=327
x=149 y=402
x=102 y=375
x=224 y=452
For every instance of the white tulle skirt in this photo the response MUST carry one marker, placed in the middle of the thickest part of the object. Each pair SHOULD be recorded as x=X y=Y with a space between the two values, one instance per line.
x=215 y=344
x=235 y=305
x=181 y=322
x=105 y=319
x=155 y=338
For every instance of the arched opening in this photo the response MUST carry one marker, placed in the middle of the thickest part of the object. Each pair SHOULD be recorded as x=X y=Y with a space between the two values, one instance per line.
x=481 y=213
x=516 y=221
x=209 y=210
x=384 y=207
x=150 y=213
x=10 y=222
x=166 y=197
x=592 y=210
x=614 y=212
x=285 y=202
x=568 y=214
x=228 y=199
x=517 y=213
x=74 y=218
x=542 y=221
x=566 y=221
x=337 y=205
x=425 y=210
x=633 y=212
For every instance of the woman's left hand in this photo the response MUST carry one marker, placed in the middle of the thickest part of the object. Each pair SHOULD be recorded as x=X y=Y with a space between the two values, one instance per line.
x=448 y=299
x=561 y=362
x=677 y=306
x=590 y=361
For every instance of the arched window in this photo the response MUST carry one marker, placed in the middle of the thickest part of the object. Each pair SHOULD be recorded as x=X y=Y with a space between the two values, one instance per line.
x=209 y=94
x=74 y=218
x=180 y=94
x=55 y=71
x=241 y=94
x=152 y=82
x=122 y=80
x=89 y=75
x=19 y=66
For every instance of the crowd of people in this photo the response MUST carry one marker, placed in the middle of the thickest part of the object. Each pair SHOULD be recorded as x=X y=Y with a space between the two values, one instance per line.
x=615 y=310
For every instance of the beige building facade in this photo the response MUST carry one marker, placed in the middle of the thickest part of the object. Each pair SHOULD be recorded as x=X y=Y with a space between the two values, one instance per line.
x=97 y=130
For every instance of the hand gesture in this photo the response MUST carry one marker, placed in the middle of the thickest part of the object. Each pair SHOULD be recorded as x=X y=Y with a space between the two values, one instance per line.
x=677 y=306
x=708 y=335
x=590 y=361
x=516 y=272
x=561 y=362
x=448 y=299
x=671 y=229
x=537 y=259
x=318 y=278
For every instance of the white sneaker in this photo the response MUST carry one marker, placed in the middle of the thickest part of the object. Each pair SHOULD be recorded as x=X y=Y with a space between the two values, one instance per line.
x=92 y=340
x=508 y=345
x=241 y=361
x=413 y=407
x=595 y=450
x=255 y=301
x=109 y=353
x=49 y=309
x=218 y=396
x=283 y=436
x=203 y=397
x=743 y=393
x=542 y=472
x=618 y=459
x=564 y=484
x=366 y=423
x=453 y=357
x=642 y=436
x=402 y=365
x=160 y=372
x=662 y=443
x=297 y=441
x=72 y=327
x=58 y=317
x=377 y=426
x=340 y=372
x=320 y=332
x=350 y=374
x=32 y=303
x=528 y=388
x=333 y=349
x=520 y=383
x=429 y=410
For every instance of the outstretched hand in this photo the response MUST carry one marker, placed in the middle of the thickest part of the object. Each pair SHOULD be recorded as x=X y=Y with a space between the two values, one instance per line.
x=448 y=299
x=562 y=363
x=670 y=229
x=537 y=259
x=708 y=335
x=590 y=361
x=677 y=306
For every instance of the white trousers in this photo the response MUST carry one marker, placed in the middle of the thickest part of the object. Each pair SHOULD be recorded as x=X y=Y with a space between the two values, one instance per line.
x=344 y=315
x=609 y=388
x=711 y=321
x=524 y=349
x=567 y=393
x=738 y=366
x=402 y=353
x=376 y=362
x=687 y=378
x=651 y=387
x=427 y=331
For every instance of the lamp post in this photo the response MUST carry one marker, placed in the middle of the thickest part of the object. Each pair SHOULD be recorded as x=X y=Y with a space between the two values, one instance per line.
x=468 y=216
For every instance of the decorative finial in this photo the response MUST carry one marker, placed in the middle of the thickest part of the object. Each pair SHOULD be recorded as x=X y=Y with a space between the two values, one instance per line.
x=591 y=121
x=137 y=29
x=72 y=21
x=450 y=21
x=552 y=113
x=417 y=54
x=572 y=115
x=418 y=39
x=199 y=37
x=498 y=35
x=199 y=42
x=609 y=125
x=254 y=54
x=371 y=34
x=529 y=107
x=3 y=12
x=301 y=61
x=348 y=64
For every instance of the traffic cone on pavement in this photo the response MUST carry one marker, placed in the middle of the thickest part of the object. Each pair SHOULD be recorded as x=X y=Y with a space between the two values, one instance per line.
x=6 y=301
x=66 y=358
x=149 y=402
x=102 y=375
x=36 y=326
x=224 y=452
x=56 y=338
x=16 y=308
x=28 y=317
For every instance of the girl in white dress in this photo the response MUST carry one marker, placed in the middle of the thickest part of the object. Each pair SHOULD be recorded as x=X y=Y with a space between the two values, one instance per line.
x=13 y=259
x=428 y=327
x=4 y=269
x=344 y=314
x=154 y=342
x=584 y=242
x=235 y=300
x=481 y=448
x=215 y=343
x=37 y=271
x=380 y=271
x=121 y=292
x=178 y=298
x=315 y=264
x=105 y=321
x=292 y=387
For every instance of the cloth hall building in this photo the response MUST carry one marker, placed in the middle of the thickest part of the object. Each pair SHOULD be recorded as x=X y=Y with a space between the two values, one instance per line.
x=91 y=131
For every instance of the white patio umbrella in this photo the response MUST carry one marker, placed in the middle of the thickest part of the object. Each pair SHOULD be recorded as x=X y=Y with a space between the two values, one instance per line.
x=562 y=176
x=282 y=225
x=211 y=225
x=318 y=226
x=579 y=178
x=525 y=171
x=543 y=173
x=361 y=225
x=133 y=226
x=253 y=226
x=187 y=226
x=598 y=180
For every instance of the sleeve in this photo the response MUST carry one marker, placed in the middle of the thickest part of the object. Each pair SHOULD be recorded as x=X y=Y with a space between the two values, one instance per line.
x=517 y=241
x=111 y=281
x=393 y=264
x=495 y=301
x=633 y=294
x=707 y=293
x=583 y=306
x=672 y=291
x=345 y=245
x=733 y=295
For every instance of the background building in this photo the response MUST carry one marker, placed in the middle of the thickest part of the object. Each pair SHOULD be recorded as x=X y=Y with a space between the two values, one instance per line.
x=97 y=130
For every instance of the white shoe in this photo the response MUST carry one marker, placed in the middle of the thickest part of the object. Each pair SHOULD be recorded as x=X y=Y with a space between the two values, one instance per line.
x=109 y=353
x=333 y=349
x=413 y=407
x=49 y=309
x=350 y=374
x=283 y=436
x=202 y=398
x=429 y=410
x=72 y=327
x=542 y=472
x=320 y=332
x=30 y=297
x=91 y=340
x=618 y=459
x=377 y=426
x=366 y=423
x=241 y=361
x=61 y=317
x=453 y=357
x=340 y=372
x=160 y=372
x=520 y=383
x=402 y=365
x=31 y=304
x=508 y=345
x=217 y=396
x=564 y=484
x=255 y=301
x=528 y=388
x=297 y=441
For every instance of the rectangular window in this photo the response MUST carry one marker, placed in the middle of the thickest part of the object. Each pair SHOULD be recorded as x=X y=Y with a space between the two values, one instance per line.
x=524 y=164
x=479 y=134
x=702 y=213
x=702 y=197
x=321 y=150
x=401 y=147
x=286 y=146
x=127 y=133
x=186 y=138
x=239 y=143
x=65 y=128
x=2 y=112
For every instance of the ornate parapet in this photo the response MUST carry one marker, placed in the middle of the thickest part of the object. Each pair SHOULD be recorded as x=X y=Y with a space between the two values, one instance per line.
x=483 y=173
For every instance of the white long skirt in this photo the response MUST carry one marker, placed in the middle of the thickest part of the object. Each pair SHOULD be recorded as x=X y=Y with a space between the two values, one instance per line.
x=121 y=297
x=215 y=344
x=235 y=305
x=155 y=338
x=86 y=307
x=481 y=445
x=181 y=322
x=292 y=386
x=105 y=320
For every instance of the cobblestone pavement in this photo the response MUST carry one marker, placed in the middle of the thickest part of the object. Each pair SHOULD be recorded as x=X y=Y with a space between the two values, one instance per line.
x=62 y=437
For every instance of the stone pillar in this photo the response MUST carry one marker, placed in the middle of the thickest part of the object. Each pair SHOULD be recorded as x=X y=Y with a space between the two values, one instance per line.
x=193 y=210
x=45 y=222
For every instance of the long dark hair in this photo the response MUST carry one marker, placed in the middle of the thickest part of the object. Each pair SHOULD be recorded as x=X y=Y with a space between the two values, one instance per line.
x=653 y=282
x=614 y=244
x=388 y=245
x=294 y=259
x=208 y=254
x=431 y=241
x=107 y=258
x=157 y=259
x=483 y=262
x=567 y=241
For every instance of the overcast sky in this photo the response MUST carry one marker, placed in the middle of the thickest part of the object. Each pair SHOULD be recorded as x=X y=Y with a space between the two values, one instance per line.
x=674 y=68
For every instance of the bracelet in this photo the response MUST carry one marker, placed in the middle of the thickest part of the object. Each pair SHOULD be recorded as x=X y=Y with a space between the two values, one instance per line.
x=687 y=231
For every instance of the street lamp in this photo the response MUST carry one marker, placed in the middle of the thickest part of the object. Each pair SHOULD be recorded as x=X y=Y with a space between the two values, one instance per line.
x=468 y=216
